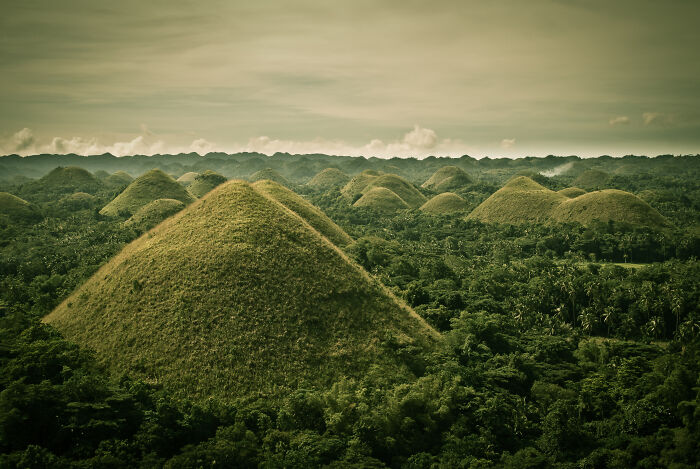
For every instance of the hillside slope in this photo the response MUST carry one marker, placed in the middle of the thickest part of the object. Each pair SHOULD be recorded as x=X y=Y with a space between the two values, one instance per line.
x=261 y=303
x=441 y=204
x=329 y=177
x=447 y=178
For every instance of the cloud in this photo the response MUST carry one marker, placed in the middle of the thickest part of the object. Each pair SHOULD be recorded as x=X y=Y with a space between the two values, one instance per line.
x=20 y=142
x=202 y=146
x=420 y=137
x=619 y=120
x=656 y=118
x=507 y=143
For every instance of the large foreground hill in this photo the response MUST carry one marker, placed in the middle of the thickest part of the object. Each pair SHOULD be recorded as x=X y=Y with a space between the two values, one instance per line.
x=262 y=302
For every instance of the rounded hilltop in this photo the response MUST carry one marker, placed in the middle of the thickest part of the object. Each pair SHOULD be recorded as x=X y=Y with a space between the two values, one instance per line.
x=271 y=175
x=69 y=179
x=118 y=179
x=445 y=203
x=572 y=192
x=381 y=200
x=262 y=303
x=609 y=205
x=448 y=178
x=153 y=185
x=521 y=200
x=329 y=178
x=592 y=179
x=153 y=213
x=187 y=178
x=16 y=209
x=204 y=183
x=364 y=182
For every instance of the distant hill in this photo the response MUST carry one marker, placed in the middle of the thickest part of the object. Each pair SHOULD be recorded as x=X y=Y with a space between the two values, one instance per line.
x=261 y=303
x=118 y=179
x=572 y=192
x=328 y=178
x=368 y=180
x=521 y=200
x=609 y=204
x=592 y=179
x=15 y=209
x=153 y=213
x=205 y=182
x=270 y=174
x=441 y=204
x=68 y=179
x=382 y=200
x=447 y=178
x=153 y=185
x=187 y=178
x=78 y=201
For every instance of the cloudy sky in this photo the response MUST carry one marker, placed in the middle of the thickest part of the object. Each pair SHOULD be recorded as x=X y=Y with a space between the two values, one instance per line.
x=372 y=77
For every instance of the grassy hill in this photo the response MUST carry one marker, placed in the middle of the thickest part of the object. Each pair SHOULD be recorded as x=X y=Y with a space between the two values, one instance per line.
x=447 y=178
x=521 y=200
x=15 y=209
x=119 y=179
x=313 y=216
x=447 y=202
x=328 y=178
x=609 y=204
x=270 y=174
x=153 y=213
x=261 y=303
x=572 y=192
x=153 y=185
x=205 y=182
x=78 y=201
x=382 y=200
x=68 y=179
x=187 y=178
x=592 y=179
x=362 y=183
x=353 y=189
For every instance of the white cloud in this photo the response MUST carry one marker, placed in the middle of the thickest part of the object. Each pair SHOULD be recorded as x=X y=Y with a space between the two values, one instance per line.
x=21 y=142
x=619 y=120
x=507 y=143
x=202 y=146
x=656 y=118
x=420 y=137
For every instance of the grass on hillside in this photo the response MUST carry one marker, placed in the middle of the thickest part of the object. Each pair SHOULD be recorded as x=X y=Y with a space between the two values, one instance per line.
x=329 y=177
x=572 y=192
x=261 y=303
x=382 y=200
x=204 y=183
x=270 y=174
x=153 y=213
x=17 y=209
x=187 y=178
x=441 y=204
x=447 y=178
x=118 y=179
x=591 y=179
x=153 y=185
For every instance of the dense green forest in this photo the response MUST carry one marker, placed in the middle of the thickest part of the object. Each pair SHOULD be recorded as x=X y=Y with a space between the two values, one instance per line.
x=564 y=345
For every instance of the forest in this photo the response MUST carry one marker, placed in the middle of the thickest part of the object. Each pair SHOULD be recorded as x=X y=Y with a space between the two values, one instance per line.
x=563 y=344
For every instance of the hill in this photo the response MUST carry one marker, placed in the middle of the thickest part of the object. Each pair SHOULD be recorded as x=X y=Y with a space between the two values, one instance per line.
x=187 y=178
x=521 y=200
x=78 y=201
x=69 y=179
x=572 y=192
x=153 y=185
x=382 y=200
x=447 y=178
x=368 y=180
x=592 y=179
x=118 y=179
x=271 y=175
x=447 y=202
x=313 y=216
x=609 y=205
x=205 y=182
x=353 y=189
x=15 y=209
x=261 y=303
x=153 y=213
x=328 y=178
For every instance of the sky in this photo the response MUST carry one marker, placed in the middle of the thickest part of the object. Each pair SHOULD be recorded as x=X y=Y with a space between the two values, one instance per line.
x=356 y=77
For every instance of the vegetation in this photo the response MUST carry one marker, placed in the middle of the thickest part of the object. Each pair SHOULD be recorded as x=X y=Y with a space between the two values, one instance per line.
x=118 y=179
x=187 y=178
x=592 y=179
x=522 y=200
x=607 y=205
x=329 y=178
x=271 y=175
x=13 y=209
x=77 y=201
x=204 y=183
x=444 y=203
x=148 y=187
x=562 y=345
x=447 y=178
x=572 y=192
x=382 y=200
x=153 y=213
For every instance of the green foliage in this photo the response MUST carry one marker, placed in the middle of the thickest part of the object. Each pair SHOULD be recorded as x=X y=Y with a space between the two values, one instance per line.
x=16 y=210
x=328 y=178
x=381 y=200
x=447 y=178
x=271 y=175
x=153 y=213
x=444 y=203
x=204 y=183
x=592 y=179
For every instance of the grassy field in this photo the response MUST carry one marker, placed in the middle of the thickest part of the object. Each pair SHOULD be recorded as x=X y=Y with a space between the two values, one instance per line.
x=262 y=302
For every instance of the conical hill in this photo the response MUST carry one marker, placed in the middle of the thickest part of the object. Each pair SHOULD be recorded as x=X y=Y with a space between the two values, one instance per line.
x=153 y=213
x=441 y=204
x=269 y=174
x=69 y=179
x=205 y=182
x=368 y=180
x=609 y=205
x=521 y=200
x=119 y=179
x=572 y=192
x=329 y=177
x=261 y=302
x=447 y=178
x=15 y=209
x=381 y=200
x=153 y=185
x=187 y=178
